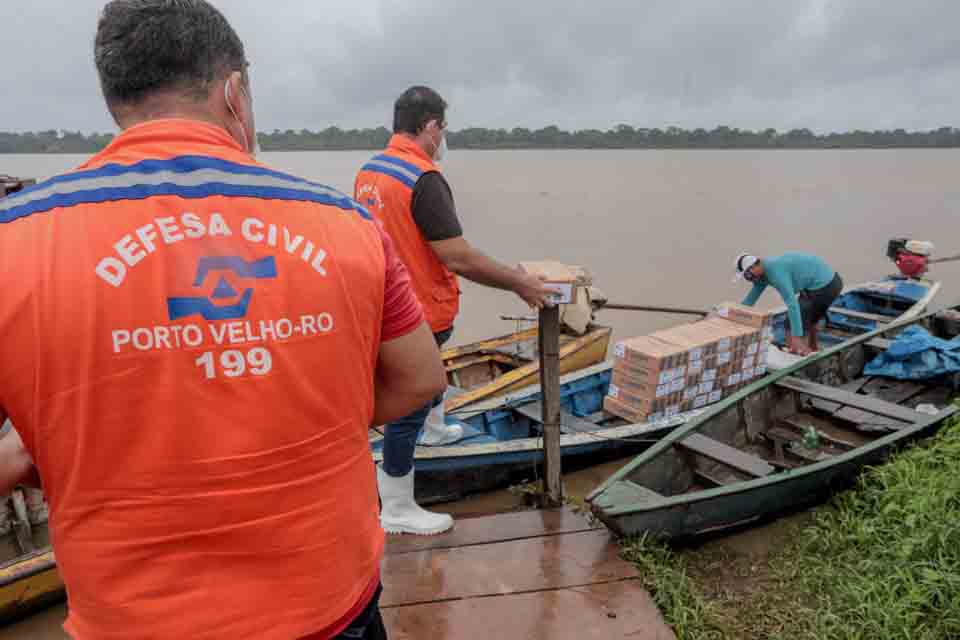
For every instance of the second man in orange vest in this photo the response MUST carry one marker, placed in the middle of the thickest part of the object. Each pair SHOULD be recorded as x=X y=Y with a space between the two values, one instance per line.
x=405 y=190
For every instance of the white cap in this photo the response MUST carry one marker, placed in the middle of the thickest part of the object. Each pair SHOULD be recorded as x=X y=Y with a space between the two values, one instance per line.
x=744 y=261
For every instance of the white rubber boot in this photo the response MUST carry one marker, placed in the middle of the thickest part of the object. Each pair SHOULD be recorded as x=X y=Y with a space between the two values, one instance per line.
x=436 y=432
x=399 y=512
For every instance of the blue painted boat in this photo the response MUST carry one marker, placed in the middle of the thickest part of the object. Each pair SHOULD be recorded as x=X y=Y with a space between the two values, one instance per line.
x=503 y=444
x=859 y=309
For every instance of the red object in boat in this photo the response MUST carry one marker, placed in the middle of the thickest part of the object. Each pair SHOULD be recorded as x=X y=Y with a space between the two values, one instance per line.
x=911 y=264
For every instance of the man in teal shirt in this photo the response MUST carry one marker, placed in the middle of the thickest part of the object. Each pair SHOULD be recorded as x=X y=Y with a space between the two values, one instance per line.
x=807 y=285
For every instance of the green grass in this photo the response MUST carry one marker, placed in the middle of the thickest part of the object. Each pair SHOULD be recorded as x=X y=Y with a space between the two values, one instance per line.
x=882 y=561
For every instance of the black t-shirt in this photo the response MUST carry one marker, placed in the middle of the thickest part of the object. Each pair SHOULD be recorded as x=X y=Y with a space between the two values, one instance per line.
x=433 y=208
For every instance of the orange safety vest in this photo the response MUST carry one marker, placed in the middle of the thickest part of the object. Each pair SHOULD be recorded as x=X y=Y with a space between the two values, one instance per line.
x=385 y=187
x=187 y=346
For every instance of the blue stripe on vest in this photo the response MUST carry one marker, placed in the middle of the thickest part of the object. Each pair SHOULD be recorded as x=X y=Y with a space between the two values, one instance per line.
x=180 y=164
x=142 y=191
x=412 y=168
x=402 y=177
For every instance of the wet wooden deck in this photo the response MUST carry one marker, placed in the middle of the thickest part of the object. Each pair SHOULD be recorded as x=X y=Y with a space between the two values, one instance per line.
x=532 y=575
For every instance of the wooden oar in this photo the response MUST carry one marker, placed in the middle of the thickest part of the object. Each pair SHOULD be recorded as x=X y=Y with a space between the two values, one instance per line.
x=637 y=307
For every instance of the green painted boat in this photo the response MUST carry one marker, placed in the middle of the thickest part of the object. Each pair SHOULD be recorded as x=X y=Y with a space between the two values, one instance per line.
x=786 y=442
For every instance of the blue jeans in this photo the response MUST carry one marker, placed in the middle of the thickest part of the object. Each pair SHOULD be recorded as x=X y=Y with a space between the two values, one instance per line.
x=368 y=625
x=400 y=437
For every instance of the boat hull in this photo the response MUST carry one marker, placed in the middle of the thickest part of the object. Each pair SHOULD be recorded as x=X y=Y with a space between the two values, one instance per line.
x=28 y=584
x=713 y=511
x=728 y=467
x=575 y=354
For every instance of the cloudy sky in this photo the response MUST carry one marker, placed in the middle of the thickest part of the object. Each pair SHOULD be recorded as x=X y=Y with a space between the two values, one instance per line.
x=823 y=64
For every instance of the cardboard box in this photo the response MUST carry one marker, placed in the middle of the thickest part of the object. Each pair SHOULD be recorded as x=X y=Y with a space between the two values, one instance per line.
x=748 y=316
x=624 y=410
x=557 y=277
x=698 y=341
x=644 y=403
x=639 y=387
x=637 y=400
x=734 y=336
x=648 y=355
x=645 y=376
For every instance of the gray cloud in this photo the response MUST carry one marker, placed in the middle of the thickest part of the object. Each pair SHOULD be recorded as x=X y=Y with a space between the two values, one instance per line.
x=823 y=64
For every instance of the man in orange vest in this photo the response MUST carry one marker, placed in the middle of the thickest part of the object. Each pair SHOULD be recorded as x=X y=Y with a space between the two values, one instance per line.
x=404 y=189
x=192 y=349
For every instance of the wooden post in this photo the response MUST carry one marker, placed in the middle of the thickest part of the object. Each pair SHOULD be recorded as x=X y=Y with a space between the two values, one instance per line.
x=549 y=339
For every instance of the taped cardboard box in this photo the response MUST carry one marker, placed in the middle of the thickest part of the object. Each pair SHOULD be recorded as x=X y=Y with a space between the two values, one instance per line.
x=698 y=341
x=625 y=411
x=647 y=355
x=644 y=403
x=732 y=335
x=639 y=386
x=641 y=414
x=561 y=279
x=748 y=316
x=646 y=376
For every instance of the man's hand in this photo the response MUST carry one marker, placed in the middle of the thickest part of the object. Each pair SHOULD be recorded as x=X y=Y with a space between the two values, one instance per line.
x=16 y=466
x=798 y=346
x=531 y=290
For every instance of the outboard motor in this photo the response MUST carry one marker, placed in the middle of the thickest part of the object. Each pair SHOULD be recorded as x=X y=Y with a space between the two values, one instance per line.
x=912 y=257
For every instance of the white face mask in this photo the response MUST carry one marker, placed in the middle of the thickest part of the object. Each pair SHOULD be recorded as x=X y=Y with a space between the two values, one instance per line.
x=441 y=151
x=253 y=151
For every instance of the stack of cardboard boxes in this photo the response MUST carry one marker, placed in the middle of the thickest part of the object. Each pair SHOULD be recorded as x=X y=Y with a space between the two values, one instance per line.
x=690 y=366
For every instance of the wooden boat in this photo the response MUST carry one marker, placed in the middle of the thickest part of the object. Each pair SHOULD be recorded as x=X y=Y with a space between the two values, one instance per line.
x=860 y=309
x=754 y=455
x=503 y=443
x=507 y=363
x=29 y=579
x=28 y=573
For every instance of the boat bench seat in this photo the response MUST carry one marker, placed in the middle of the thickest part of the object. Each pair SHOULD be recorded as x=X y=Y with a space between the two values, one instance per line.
x=851 y=399
x=725 y=454
x=569 y=423
x=875 y=317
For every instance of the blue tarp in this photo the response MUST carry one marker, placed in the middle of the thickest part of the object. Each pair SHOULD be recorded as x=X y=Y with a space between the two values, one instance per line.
x=916 y=355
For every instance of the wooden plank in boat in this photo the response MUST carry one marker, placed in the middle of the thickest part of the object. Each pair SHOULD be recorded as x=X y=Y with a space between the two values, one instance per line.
x=569 y=423
x=847 y=398
x=796 y=424
x=866 y=421
x=503 y=528
x=853 y=386
x=712 y=479
x=876 y=317
x=895 y=391
x=724 y=453
x=788 y=437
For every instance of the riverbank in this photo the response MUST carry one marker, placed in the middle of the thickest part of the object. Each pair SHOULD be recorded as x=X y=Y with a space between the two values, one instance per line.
x=880 y=561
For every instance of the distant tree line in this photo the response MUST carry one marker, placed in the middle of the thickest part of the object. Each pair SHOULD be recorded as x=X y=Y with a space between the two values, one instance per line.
x=620 y=137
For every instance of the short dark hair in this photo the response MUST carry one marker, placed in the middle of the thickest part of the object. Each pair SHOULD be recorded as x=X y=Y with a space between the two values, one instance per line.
x=143 y=46
x=415 y=108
